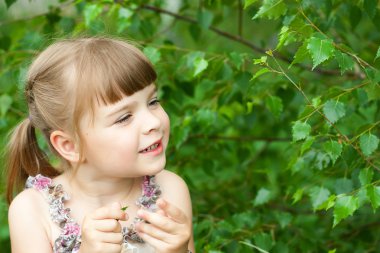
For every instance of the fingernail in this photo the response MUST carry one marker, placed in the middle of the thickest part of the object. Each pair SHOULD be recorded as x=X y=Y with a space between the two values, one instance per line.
x=161 y=202
x=140 y=213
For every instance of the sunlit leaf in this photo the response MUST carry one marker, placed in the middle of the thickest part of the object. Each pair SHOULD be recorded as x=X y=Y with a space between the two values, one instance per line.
x=91 y=12
x=271 y=9
x=320 y=50
x=318 y=196
x=153 y=54
x=345 y=206
x=334 y=110
x=373 y=194
x=345 y=62
x=333 y=149
x=262 y=197
x=300 y=130
x=365 y=176
x=368 y=143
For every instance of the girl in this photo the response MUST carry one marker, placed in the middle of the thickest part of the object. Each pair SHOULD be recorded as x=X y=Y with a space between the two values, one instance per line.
x=95 y=101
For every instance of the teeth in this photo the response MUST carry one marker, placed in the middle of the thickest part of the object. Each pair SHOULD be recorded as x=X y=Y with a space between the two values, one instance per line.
x=154 y=146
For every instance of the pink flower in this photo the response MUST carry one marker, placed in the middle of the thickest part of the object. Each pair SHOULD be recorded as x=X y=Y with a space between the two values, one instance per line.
x=41 y=182
x=71 y=229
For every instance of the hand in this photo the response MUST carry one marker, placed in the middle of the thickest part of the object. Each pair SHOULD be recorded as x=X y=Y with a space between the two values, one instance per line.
x=101 y=230
x=169 y=230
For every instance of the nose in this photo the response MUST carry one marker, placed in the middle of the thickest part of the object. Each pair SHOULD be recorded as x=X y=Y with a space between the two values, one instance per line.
x=151 y=122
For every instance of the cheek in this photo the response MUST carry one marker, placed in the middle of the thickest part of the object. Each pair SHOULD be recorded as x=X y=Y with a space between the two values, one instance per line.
x=166 y=123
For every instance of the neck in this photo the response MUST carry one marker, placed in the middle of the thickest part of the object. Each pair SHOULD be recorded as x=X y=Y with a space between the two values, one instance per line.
x=99 y=190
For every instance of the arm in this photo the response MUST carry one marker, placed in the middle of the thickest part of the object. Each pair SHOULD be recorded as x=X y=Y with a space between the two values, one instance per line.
x=171 y=227
x=29 y=231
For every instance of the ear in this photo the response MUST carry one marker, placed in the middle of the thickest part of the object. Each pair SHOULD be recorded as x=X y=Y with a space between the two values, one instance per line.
x=65 y=145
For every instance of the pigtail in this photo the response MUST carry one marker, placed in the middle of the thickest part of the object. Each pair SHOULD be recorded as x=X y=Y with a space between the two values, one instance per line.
x=24 y=158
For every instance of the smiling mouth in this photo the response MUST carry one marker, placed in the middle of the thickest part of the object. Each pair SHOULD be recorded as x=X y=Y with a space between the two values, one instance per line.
x=151 y=147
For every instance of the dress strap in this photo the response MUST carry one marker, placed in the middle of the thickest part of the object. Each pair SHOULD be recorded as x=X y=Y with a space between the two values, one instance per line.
x=70 y=237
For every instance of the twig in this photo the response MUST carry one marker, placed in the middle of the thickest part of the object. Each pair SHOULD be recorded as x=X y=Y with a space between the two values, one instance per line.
x=244 y=42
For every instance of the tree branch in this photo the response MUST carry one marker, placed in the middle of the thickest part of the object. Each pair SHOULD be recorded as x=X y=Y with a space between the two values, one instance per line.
x=242 y=41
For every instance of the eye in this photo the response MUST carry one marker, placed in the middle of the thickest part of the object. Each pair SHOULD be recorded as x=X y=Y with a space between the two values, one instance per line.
x=123 y=119
x=154 y=102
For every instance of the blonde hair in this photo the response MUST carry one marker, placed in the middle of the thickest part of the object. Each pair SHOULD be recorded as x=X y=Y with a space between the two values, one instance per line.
x=66 y=80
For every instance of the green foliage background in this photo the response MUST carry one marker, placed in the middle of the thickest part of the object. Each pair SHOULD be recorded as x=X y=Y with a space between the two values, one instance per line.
x=274 y=108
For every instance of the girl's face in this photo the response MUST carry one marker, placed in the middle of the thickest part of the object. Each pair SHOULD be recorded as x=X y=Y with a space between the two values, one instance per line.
x=128 y=138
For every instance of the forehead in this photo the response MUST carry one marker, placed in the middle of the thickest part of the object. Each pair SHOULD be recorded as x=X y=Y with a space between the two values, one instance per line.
x=104 y=110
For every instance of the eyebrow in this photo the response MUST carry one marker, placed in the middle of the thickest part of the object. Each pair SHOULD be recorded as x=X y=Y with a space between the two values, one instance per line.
x=129 y=105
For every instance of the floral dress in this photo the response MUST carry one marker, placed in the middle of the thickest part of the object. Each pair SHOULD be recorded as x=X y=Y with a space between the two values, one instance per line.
x=69 y=239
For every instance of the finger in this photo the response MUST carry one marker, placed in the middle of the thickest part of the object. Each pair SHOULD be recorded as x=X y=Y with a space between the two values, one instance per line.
x=163 y=222
x=153 y=231
x=172 y=211
x=113 y=238
x=109 y=212
x=107 y=225
x=156 y=243
x=161 y=212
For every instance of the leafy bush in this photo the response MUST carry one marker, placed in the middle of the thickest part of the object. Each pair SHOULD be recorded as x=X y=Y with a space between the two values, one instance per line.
x=274 y=110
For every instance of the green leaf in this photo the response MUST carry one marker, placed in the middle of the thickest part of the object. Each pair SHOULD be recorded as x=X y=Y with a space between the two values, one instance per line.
x=316 y=101
x=91 y=12
x=333 y=149
x=297 y=196
x=334 y=110
x=247 y=3
x=330 y=202
x=287 y=36
x=200 y=65
x=373 y=194
x=300 y=130
x=320 y=50
x=124 y=19
x=365 y=176
x=344 y=206
x=263 y=241
x=236 y=59
x=321 y=160
x=124 y=208
x=377 y=54
x=368 y=143
x=272 y=9
x=5 y=104
x=343 y=185
x=373 y=91
x=153 y=54
x=205 y=18
x=318 y=196
x=263 y=196
x=307 y=144
x=298 y=165
x=274 y=104
x=283 y=218
x=345 y=62
x=301 y=55
x=259 y=73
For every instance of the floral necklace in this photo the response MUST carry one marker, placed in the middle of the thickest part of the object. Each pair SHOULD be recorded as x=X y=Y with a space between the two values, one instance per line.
x=69 y=239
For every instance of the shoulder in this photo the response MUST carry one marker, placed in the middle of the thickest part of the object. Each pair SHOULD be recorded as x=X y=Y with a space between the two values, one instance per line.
x=174 y=189
x=27 y=201
x=28 y=225
x=169 y=181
